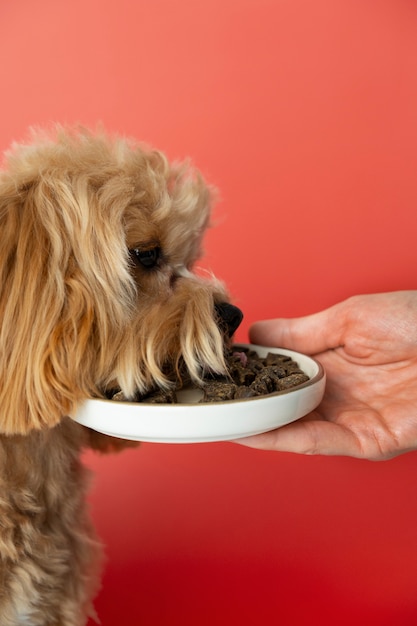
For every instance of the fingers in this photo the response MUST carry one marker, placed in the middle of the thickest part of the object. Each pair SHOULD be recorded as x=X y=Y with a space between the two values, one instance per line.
x=311 y=334
x=308 y=437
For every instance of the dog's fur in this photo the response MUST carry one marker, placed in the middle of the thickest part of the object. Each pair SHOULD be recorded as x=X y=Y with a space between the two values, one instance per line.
x=78 y=316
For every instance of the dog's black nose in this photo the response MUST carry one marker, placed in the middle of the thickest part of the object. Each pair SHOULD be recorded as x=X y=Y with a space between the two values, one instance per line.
x=229 y=317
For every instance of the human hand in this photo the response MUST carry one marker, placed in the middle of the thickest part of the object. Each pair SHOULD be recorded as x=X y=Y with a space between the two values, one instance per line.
x=368 y=347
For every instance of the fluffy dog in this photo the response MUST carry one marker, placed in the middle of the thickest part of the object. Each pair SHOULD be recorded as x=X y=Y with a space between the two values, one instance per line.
x=98 y=237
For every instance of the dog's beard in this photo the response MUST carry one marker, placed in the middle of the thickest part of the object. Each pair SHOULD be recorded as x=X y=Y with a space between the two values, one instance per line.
x=174 y=339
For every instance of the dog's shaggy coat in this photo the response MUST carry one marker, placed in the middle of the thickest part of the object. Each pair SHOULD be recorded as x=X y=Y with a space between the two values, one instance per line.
x=98 y=237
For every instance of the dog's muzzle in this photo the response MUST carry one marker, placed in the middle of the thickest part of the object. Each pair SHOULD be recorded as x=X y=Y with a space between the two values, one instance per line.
x=229 y=317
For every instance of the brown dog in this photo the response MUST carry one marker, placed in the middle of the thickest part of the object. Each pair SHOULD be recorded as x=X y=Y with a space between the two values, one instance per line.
x=98 y=237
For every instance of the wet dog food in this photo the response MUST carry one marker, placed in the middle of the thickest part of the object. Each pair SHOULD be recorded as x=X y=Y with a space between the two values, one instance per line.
x=249 y=376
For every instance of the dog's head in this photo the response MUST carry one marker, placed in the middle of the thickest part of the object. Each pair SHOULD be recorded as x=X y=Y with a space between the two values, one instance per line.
x=98 y=238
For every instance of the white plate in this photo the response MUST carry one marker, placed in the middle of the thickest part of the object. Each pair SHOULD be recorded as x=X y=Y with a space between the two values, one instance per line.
x=189 y=422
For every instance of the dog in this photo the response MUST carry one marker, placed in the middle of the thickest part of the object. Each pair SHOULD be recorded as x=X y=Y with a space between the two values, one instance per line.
x=98 y=239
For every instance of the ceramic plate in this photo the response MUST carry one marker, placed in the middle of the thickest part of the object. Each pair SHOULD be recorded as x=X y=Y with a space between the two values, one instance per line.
x=190 y=422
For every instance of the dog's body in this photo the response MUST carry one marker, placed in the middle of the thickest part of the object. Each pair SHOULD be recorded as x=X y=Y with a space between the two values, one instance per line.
x=97 y=240
x=49 y=556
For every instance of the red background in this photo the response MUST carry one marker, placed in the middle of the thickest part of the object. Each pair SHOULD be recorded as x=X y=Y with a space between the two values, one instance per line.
x=304 y=114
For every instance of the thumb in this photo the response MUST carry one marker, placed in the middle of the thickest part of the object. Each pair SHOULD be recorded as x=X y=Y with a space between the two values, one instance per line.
x=311 y=334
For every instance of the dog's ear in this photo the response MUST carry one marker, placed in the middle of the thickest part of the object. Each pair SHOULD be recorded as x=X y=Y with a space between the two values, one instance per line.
x=64 y=289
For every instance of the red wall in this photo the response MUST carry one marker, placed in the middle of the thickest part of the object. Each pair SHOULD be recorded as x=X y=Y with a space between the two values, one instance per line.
x=304 y=114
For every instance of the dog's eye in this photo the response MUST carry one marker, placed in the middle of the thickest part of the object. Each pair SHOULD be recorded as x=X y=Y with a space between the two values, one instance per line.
x=147 y=258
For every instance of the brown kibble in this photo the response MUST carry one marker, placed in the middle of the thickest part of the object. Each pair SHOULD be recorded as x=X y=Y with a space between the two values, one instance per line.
x=292 y=381
x=218 y=392
x=243 y=392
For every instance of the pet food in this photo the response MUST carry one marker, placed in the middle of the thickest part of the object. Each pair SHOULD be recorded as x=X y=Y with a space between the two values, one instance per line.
x=249 y=375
